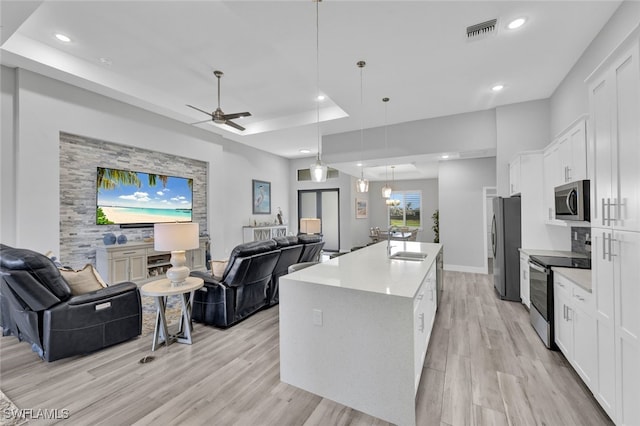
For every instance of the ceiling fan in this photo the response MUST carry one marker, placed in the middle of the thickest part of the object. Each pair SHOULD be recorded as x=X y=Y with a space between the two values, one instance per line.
x=220 y=117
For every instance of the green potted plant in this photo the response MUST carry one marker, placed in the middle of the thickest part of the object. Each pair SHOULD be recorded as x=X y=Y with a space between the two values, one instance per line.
x=436 y=226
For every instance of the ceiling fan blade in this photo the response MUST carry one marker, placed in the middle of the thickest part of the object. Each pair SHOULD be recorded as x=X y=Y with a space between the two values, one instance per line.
x=234 y=125
x=237 y=115
x=201 y=110
x=200 y=122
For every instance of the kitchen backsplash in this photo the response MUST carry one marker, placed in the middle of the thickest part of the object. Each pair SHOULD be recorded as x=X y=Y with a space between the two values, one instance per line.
x=581 y=240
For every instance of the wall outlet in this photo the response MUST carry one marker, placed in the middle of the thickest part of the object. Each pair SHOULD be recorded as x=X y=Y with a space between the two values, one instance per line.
x=317 y=317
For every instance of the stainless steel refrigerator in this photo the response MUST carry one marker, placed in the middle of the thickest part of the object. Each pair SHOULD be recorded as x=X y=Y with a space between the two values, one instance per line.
x=505 y=240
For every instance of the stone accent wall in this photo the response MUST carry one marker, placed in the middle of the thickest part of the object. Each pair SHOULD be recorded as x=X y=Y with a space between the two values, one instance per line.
x=79 y=159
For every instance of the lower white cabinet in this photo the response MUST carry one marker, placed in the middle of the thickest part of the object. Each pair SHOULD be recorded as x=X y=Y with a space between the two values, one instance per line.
x=140 y=262
x=524 y=280
x=259 y=233
x=424 y=314
x=575 y=327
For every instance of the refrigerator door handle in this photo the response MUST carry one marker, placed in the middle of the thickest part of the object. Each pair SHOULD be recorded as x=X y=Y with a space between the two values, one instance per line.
x=493 y=235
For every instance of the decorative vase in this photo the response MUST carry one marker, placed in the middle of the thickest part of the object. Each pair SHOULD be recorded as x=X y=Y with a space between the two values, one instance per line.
x=109 y=239
x=122 y=239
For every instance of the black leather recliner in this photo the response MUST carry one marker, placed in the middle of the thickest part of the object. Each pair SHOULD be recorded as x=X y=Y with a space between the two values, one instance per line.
x=290 y=251
x=37 y=306
x=312 y=247
x=242 y=290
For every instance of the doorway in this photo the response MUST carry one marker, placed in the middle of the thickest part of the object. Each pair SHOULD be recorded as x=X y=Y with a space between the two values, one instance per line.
x=489 y=193
x=325 y=205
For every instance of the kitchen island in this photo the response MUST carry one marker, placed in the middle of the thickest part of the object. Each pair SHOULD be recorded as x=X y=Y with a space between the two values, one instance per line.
x=355 y=329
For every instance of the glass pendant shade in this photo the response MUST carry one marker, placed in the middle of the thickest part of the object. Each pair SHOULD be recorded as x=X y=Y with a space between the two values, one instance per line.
x=386 y=191
x=318 y=171
x=362 y=185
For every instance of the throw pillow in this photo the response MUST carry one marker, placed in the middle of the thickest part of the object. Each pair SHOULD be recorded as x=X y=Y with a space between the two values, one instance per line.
x=84 y=280
x=218 y=267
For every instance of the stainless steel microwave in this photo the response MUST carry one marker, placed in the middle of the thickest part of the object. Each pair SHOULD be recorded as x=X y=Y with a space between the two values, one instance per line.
x=572 y=201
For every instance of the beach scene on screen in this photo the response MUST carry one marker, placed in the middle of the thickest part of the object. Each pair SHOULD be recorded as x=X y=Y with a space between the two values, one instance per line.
x=125 y=197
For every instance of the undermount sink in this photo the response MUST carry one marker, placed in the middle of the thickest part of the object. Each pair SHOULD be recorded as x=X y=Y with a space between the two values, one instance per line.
x=409 y=255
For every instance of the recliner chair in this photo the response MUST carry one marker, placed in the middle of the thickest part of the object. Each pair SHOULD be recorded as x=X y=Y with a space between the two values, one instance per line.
x=242 y=290
x=290 y=251
x=37 y=306
x=312 y=247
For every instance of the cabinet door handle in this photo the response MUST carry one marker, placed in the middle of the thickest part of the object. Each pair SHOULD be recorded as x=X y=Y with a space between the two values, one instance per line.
x=604 y=246
x=603 y=218
x=569 y=310
x=608 y=211
x=610 y=254
x=421 y=327
x=569 y=173
x=564 y=312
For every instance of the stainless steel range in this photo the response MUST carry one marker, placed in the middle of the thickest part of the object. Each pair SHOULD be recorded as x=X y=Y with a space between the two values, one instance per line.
x=541 y=292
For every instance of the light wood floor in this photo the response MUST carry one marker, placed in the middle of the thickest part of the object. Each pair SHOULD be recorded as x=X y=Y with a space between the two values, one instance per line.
x=485 y=366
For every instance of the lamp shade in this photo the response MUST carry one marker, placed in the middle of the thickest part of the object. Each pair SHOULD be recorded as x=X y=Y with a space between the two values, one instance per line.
x=362 y=185
x=176 y=236
x=386 y=191
x=310 y=225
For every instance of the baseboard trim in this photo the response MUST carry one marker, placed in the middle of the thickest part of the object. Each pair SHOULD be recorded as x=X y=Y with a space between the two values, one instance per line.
x=462 y=268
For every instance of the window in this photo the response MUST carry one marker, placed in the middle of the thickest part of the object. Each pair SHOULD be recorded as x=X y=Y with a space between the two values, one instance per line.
x=405 y=208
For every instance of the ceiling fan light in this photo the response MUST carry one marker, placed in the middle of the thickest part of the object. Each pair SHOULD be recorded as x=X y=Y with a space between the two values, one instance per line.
x=318 y=171
x=386 y=191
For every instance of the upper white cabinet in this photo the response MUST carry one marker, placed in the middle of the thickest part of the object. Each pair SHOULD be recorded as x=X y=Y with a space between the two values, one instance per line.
x=572 y=149
x=565 y=160
x=614 y=97
x=614 y=159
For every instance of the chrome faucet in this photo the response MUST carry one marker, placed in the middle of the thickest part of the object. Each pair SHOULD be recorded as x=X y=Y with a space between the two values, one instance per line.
x=391 y=229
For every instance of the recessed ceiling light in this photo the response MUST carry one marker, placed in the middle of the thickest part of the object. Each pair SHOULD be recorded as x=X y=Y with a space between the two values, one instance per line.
x=320 y=97
x=106 y=61
x=63 y=38
x=516 y=23
x=444 y=156
x=305 y=151
x=497 y=87
x=359 y=164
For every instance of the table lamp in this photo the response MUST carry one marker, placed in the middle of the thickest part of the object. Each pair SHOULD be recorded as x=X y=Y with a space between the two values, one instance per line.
x=310 y=225
x=176 y=238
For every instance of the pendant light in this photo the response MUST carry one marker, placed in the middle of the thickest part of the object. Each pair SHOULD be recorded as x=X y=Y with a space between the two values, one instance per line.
x=386 y=189
x=362 y=185
x=318 y=170
x=390 y=201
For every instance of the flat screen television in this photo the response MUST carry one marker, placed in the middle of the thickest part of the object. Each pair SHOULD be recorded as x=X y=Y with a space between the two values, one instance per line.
x=128 y=198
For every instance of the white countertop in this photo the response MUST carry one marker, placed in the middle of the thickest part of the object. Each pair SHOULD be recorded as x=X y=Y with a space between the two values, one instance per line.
x=560 y=253
x=580 y=277
x=369 y=269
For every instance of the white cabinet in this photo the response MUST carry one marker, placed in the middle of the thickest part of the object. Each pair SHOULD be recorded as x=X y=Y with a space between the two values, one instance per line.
x=614 y=158
x=424 y=314
x=575 y=327
x=524 y=280
x=614 y=95
x=140 y=262
x=572 y=149
x=514 y=176
x=259 y=233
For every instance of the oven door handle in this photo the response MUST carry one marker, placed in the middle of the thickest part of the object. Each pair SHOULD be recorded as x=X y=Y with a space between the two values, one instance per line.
x=537 y=268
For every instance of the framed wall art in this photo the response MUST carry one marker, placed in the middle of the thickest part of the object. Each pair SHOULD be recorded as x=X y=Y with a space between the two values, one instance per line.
x=362 y=211
x=261 y=193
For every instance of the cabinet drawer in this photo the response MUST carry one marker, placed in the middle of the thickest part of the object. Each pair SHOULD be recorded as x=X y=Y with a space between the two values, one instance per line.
x=583 y=299
x=421 y=295
x=128 y=253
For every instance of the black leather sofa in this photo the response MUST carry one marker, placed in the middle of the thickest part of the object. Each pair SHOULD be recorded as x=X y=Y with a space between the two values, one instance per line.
x=312 y=247
x=290 y=252
x=37 y=306
x=242 y=290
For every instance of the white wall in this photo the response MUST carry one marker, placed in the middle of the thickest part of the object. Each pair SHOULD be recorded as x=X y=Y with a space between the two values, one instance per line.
x=519 y=127
x=46 y=107
x=378 y=210
x=570 y=99
x=7 y=155
x=460 y=185
x=344 y=183
x=461 y=132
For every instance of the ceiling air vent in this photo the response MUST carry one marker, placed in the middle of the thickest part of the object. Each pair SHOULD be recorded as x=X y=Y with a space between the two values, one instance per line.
x=481 y=30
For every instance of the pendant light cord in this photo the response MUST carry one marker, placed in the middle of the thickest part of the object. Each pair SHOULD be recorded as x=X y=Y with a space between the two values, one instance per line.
x=361 y=65
x=386 y=145
x=318 y=78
